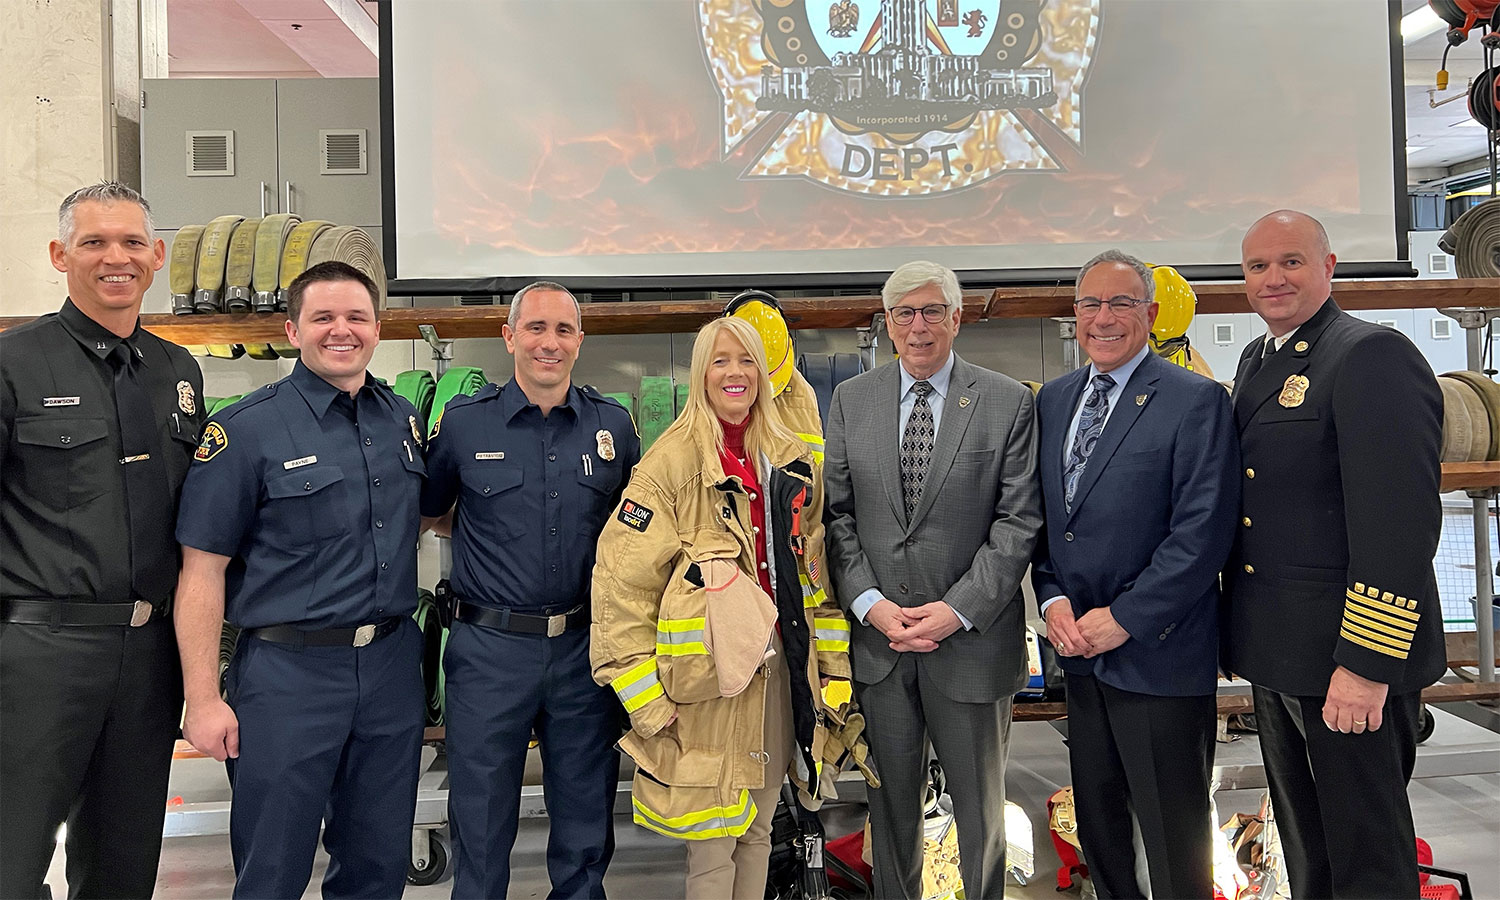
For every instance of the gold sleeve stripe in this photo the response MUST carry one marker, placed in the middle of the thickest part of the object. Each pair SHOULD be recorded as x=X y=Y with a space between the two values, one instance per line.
x=1380 y=615
x=1397 y=654
x=1378 y=638
x=1352 y=617
x=1383 y=607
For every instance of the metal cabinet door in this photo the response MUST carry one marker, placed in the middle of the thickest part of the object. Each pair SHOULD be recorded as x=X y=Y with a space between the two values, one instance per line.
x=175 y=107
x=307 y=108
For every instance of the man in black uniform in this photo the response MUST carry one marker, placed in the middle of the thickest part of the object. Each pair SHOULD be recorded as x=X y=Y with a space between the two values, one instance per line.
x=1333 y=610
x=299 y=525
x=535 y=468
x=98 y=421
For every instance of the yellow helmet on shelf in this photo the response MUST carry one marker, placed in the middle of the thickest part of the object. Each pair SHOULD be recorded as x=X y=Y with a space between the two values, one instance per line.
x=762 y=310
x=1176 y=303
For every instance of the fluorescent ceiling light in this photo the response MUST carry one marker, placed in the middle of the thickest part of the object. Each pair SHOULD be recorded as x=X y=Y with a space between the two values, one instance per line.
x=1419 y=23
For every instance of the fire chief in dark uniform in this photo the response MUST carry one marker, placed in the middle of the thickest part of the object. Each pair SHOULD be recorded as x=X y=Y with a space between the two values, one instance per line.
x=299 y=524
x=98 y=420
x=1333 y=610
x=535 y=468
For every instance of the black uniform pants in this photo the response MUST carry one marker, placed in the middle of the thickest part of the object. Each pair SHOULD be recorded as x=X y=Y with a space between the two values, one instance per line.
x=88 y=717
x=1339 y=800
x=1153 y=756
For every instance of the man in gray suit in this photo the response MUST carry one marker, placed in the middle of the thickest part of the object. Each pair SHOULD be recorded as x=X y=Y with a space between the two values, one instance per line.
x=933 y=509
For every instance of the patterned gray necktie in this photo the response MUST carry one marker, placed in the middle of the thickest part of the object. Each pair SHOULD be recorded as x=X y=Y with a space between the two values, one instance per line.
x=916 y=448
x=1090 y=426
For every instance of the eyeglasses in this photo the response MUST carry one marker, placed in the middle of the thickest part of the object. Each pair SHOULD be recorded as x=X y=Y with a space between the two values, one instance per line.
x=1090 y=306
x=903 y=315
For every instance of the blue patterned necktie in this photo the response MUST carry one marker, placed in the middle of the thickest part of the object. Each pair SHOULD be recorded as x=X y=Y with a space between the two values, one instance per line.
x=1090 y=426
x=916 y=448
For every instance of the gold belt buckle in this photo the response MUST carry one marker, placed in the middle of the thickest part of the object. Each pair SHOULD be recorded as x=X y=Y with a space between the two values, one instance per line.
x=557 y=624
x=141 y=613
x=363 y=635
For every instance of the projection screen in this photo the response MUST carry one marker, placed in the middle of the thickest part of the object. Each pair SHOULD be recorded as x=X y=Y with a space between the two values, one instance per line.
x=826 y=141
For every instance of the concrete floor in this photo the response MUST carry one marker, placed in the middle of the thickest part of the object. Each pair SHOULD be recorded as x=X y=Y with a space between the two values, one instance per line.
x=1455 y=801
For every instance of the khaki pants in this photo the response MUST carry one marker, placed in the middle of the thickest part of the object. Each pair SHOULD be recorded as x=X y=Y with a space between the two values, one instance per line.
x=729 y=868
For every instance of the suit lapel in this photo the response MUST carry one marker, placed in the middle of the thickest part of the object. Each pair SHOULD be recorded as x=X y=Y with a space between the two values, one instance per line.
x=1059 y=415
x=1290 y=360
x=887 y=419
x=958 y=409
x=1138 y=392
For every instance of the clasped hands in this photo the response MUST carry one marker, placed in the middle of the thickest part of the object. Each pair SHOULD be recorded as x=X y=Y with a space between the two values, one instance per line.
x=1089 y=635
x=917 y=629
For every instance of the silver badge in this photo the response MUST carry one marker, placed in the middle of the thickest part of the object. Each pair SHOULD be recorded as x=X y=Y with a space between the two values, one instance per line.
x=606 y=444
x=185 y=398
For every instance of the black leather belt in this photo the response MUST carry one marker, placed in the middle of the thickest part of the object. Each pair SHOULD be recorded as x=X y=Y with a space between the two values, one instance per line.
x=326 y=637
x=520 y=623
x=71 y=612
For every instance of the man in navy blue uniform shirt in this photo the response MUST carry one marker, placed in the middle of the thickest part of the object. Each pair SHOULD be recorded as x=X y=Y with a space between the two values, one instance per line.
x=535 y=468
x=299 y=524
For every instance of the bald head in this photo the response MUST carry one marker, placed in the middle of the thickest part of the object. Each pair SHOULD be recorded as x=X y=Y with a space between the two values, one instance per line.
x=1291 y=218
x=1288 y=268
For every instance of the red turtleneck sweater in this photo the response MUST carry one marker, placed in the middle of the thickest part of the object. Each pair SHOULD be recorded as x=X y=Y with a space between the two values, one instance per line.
x=737 y=462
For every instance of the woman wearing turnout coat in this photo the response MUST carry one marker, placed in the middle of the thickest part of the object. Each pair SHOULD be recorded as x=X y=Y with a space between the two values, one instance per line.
x=711 y=622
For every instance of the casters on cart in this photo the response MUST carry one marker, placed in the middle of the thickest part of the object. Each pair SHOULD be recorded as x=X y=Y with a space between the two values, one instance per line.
x=1426 y=724
x=429 y=857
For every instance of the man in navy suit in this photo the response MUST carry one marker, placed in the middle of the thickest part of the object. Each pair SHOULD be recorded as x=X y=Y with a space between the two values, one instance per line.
x=1138 y=465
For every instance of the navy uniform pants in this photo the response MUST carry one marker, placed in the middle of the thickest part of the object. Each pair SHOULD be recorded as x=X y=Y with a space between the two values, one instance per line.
x=88 y=716
x=331 y=736
x=501 y=686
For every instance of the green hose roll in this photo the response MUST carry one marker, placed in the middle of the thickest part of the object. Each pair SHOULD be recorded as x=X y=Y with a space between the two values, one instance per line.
x=435 y=644
x=656 y=408
x=459 y=380
x=625 y=399
x=223 y=402
x=681 y=398
x=419 y=387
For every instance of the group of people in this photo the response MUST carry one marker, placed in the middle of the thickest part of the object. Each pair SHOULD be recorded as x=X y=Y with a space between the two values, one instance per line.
x=690 y=605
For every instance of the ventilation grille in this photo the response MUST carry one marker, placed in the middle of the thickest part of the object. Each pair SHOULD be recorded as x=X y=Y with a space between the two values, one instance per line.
x=1439 y=263
x=477 y=300
x=1224 y=333
x=343 y=151
x=1442 y=329
x=210 y=153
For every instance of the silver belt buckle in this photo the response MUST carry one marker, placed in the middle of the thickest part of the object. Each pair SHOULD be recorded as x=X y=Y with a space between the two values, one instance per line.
x=141 y=613
x=557 y=624
x=363 y=635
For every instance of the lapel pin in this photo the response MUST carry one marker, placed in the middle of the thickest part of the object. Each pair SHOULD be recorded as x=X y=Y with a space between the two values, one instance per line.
x=1140 y=399
x=1301 y=347
x=962 y=402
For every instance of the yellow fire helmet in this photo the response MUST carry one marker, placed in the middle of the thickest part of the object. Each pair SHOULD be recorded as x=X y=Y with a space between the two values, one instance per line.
x=762 y=310
x=1176 y=304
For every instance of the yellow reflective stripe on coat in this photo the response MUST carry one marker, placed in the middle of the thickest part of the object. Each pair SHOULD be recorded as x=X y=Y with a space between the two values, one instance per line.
x=831 y=633
x=814 y=443
x=680 y=637
x=811 y=596
x=715 y=822
x=638 y=686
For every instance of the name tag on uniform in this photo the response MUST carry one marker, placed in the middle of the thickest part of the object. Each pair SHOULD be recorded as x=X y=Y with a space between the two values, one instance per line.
x=498 y=454
x=60 y=401
x=299 y=463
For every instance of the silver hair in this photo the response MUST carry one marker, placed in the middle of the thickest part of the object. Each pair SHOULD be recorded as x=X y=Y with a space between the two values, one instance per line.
x=919 y=274
x=106 y=192
x=515 y=301
x=1142 y=270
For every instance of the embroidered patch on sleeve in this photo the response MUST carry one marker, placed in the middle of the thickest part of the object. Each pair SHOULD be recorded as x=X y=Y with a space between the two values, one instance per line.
x=635 y=515
x=214 y=440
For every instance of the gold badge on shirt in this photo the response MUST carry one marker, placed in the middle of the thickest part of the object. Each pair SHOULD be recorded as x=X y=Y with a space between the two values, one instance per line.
x=606 y=444
x=416 y=431
x=185 y=399
x=1294 y=391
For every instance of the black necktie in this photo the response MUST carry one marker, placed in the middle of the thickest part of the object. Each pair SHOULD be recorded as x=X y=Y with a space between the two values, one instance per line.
x=153 y=562
x=1267 y=350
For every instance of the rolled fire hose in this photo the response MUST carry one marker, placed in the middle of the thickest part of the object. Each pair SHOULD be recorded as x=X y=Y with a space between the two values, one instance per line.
x=457 y=381
x=226 y=351
x=213 y=253
x=270 y=238
x=239 y=267
x=299 y=244
x=261 y=351
x=419 y=387
x=224 y=403
x=626 y=400
x=353 y=245
x=182 y=272
x=1489 y=392
x=1474 y=241
x=681 y=398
